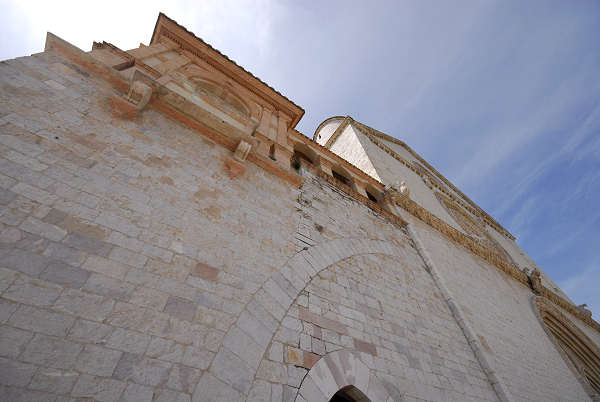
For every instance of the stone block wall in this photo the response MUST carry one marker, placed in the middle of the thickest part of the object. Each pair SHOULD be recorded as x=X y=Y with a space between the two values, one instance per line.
x=501 y=314
x=133 y=268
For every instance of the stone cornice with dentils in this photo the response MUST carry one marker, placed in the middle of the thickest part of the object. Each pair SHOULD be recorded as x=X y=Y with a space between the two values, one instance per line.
x=187 y=40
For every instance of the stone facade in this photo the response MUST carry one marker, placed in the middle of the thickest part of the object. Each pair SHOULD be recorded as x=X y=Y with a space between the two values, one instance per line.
x=167 y=235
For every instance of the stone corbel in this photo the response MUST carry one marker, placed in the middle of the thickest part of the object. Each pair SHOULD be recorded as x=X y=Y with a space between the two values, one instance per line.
x=535 y=281
x=584 y=310
x=396 y=191
x=137 y=98
x=235 y=164
x=360 y=186
x=324 y=165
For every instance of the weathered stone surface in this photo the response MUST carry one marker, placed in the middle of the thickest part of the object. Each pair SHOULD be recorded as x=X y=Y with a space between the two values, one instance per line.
x=164 y=349
x=13 y=341
x=232 y=370
x=133 y=267
x=181 y=308
x=128 y=341
x=51 y=352
x=98 y=388
x=137 y=393
x=205 y=271
x=209 y=388
x=23 y=261
x=32 y=291
x=54 y=381
x=97 y=361
x=41 y=320
x=15 y=373
x=89 y=331
x=197 y=357
x=64 y=274
x=142 y=370
x=108 y=287
x=166 y=395
x=88 y=244
x=183 y=378
x=85 y=305
x=46 y=230
x=66 y=254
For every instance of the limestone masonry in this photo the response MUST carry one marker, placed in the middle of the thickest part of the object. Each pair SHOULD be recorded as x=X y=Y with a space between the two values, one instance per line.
x=167 y=235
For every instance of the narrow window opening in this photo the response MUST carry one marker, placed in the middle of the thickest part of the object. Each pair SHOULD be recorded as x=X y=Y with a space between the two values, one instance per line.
x=371 y=196
x=272 y=152
x=341 y=178
x=301 y=156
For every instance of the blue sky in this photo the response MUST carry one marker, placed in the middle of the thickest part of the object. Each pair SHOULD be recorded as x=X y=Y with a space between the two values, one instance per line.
x=501 y=97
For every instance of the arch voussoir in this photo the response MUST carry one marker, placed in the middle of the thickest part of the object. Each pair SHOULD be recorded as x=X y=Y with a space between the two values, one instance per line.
x=235 y=366
x=338 y=370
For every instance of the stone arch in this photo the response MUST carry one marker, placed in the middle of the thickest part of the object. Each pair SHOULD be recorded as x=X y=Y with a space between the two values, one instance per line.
x=337 y=370
x=226 y=94
x=231 y=373
x=578 y=351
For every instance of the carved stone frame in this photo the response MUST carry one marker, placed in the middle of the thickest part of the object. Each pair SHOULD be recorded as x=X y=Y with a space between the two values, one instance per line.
x=542 y=306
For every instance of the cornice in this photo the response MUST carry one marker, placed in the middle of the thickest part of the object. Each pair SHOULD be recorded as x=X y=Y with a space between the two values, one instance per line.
x=570 y=308
x=188 y=41
x=321 y=151
x=560 y=328
x=375 y=135
x=459 y=238
x=372 y=205
x=130 y=61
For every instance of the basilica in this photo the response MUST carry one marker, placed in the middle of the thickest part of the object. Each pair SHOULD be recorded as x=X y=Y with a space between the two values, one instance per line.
x=166 y=234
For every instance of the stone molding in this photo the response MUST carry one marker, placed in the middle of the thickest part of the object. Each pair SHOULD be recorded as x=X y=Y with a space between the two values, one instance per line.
x=166 y=27
x=337 y=370
x=364 y=200
x=543 y=308
x=461 y=239
x=491 y=257
x=130 y=60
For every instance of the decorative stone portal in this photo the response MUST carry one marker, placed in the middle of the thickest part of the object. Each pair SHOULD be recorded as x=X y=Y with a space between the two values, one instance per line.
x=342 y=376
x=349 y=394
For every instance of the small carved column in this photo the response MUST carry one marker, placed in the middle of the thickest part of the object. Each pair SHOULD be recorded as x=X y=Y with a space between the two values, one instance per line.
x=264 y=126
x=264 y=134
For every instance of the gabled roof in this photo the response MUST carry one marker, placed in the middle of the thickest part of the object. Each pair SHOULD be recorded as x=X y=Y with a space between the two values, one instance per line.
x=166 y=27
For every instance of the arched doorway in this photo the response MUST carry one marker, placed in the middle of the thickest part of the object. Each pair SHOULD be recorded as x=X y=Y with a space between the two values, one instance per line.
x=341 y=376
x=349 y=394
x=580 y=353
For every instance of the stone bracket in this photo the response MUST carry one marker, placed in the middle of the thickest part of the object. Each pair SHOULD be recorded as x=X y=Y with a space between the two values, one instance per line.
x=235 y=164
x=137 y=98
